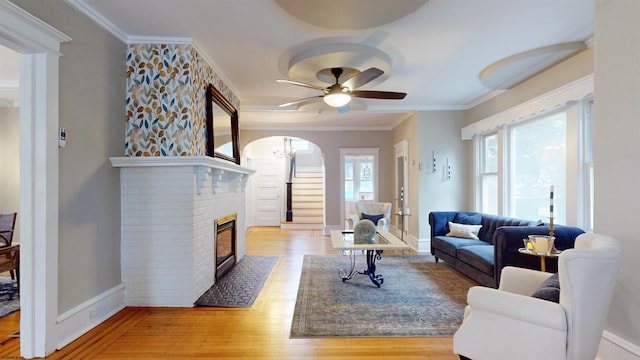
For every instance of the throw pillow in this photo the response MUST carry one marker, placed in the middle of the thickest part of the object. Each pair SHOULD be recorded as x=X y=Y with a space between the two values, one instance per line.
x=463 y=230
x=549 y=289
x=462 y=218
x=373 y=218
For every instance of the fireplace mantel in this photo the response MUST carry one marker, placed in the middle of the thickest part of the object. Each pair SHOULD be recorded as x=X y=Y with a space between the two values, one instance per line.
x=168 y=210
x=220 y=171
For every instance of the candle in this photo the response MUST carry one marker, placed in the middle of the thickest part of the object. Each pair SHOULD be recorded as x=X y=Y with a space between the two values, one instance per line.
x=551 y=203
x=541 y=245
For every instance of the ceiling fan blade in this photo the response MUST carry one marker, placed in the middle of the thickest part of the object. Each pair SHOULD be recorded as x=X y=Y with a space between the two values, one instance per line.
x=389 y=95
x=300 y=84
x=362 y=78
x=301 y=101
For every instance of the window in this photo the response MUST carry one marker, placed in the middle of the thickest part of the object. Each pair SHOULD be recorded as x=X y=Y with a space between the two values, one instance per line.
x=538 y=161
x=358 y=177
x=489 y=174
x=588 y=192
x=518 y=163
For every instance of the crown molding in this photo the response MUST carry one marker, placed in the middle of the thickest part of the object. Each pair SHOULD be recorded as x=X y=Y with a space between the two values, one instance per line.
x=133 y=39
x=92 y=13
x=19 y=24
x=573 y=91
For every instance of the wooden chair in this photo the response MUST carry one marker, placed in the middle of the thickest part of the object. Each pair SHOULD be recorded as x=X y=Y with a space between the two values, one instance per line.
x=7 y=226
x=10 y=261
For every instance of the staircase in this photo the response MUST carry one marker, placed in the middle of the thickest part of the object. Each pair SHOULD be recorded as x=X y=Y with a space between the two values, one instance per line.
x=307 y=202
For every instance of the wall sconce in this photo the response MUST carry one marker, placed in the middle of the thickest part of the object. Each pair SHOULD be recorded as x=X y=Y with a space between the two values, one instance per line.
x=448 y=170
x=433 y=161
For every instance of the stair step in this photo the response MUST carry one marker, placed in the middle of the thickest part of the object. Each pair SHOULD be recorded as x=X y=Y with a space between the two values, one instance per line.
x=308 y=174
x=304 y=187
x=308 y=219
x=295 y=192
x=307 y=181
x=307 y=198
x=307 y=205
x=308 y=212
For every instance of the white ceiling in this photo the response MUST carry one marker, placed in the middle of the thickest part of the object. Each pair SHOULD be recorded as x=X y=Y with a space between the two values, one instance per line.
x=436 y=52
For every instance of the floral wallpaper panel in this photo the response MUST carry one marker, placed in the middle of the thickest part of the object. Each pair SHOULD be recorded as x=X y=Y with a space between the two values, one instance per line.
x=165 y=104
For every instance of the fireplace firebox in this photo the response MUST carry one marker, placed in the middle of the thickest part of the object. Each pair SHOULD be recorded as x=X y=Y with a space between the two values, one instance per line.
x=225 y=239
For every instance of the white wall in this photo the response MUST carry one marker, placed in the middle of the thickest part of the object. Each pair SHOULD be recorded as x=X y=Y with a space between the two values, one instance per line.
x=615 y=150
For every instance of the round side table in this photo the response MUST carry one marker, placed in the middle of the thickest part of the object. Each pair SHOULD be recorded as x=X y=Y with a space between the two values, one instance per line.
x=542 y=256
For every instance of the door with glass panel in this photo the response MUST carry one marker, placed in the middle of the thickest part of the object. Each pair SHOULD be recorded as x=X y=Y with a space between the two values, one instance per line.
x=359 y=178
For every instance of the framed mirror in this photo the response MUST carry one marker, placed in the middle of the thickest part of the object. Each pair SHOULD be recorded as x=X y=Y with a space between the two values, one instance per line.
x=222 y=127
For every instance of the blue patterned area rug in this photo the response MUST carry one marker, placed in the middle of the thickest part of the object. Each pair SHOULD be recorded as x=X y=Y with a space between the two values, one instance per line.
x=418 y=298
x=9 y=296
x=241 y=285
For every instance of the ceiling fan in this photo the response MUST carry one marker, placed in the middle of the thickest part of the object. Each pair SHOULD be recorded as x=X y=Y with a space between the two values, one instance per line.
x=339 y=95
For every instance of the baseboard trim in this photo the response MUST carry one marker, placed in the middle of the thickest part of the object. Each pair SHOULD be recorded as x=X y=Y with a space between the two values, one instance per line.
x=613 y=347
x=79 y=320
x=422 y=246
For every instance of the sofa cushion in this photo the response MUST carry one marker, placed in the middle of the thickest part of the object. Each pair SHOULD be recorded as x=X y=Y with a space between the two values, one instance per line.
x=490 y=223
x=479 y=256
x=466 y=218
x=450 y=245
x=463 y=230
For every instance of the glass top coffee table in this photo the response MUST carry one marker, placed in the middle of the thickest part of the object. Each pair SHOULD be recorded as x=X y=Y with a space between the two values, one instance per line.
x=384 y=240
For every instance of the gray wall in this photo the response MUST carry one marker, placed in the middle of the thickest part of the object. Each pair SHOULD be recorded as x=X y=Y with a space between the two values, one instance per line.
x=330 y=143
x=10 y=163
x=439 y=131
x=615 y=150
x=92 y=93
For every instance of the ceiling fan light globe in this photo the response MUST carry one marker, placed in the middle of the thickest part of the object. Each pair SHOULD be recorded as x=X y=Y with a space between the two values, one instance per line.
x=337 y=99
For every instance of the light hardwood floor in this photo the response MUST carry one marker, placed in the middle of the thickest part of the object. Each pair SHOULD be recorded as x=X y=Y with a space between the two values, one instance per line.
x=261 y=332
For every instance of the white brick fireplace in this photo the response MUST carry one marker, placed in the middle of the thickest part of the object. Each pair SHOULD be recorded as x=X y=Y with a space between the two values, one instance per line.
x=169 y=206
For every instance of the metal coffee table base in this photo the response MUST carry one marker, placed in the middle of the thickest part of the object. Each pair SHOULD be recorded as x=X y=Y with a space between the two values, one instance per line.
x=372 y=256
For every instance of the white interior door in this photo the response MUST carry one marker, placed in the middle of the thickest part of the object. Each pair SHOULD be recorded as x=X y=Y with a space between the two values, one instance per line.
x=269 y=180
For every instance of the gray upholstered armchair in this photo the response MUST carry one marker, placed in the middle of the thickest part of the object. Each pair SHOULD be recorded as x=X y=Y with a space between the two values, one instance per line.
x=521 y=320
x=378 y=212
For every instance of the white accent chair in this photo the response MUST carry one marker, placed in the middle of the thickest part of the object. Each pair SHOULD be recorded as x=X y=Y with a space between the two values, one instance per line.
x=372 y=208
x=507 y=323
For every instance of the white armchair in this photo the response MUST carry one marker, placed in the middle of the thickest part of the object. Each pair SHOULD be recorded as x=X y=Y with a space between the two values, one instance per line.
x=507 y=323
x=372 y=209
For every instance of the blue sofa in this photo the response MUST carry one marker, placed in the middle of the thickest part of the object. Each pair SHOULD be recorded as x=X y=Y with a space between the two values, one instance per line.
x=496 y=247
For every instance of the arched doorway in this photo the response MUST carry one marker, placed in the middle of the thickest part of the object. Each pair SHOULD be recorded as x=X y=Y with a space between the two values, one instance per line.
x=279 y=160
